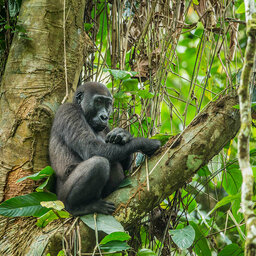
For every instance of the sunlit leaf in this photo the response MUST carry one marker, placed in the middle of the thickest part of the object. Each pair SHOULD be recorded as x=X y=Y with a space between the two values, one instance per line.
x=145 y=94
x=57 y=205
x=87 y=26
x=130 y=84
x=46 y=172
x=116 y=236
x=241 y=8
x=51 y=216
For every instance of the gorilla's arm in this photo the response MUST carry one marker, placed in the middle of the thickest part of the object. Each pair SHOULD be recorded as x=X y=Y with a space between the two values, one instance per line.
x=74 y=131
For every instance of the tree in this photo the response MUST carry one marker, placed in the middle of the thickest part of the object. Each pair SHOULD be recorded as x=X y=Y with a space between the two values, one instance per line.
x=143 y=37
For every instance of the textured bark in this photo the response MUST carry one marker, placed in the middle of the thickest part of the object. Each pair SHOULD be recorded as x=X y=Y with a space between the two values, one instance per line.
x=32 y=87
x=247 y=192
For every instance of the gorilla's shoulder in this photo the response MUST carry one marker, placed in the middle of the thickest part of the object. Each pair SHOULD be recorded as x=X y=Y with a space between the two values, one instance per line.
x=67 y=108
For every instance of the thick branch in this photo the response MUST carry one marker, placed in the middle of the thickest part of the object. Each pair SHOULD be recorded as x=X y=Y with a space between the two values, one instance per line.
x=244 y=134
x=175 y=164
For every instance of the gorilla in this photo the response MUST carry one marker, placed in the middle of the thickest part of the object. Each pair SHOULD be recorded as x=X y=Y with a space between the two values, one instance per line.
x=89 y=160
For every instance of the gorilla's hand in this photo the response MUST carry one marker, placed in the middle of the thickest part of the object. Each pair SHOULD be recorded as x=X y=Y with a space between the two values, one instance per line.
x=150 y=147
x=118 y=136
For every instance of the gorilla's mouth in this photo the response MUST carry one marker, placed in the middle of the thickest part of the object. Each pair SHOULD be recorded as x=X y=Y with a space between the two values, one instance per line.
x=99 y=125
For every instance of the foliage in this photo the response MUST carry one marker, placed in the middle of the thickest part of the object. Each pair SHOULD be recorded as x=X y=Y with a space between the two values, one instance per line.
x=178 y=72
x=161 y=75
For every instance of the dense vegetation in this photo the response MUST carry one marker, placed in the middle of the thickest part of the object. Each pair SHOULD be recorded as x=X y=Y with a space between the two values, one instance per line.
x=164 y=62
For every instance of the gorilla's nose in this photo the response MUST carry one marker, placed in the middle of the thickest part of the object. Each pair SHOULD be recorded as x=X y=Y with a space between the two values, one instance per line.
x=104 y=117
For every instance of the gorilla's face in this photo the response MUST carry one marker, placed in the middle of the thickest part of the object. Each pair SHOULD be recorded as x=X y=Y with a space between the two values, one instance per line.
x=96 y=103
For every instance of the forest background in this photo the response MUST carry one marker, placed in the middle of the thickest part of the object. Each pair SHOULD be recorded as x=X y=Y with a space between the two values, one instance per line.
x=174 y=68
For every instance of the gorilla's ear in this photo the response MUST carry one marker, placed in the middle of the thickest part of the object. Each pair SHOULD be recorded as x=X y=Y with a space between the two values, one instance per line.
x=79 y=97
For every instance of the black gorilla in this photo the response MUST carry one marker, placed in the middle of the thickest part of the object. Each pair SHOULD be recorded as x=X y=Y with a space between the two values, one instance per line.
x=88 y=159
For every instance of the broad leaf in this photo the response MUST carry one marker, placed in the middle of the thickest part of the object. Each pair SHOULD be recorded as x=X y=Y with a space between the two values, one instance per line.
x=27 y=205
x=145 y=94
x=130 y=85
x=126 y=182
x=57 y=205
x=226 y=200
x=201 y=246
x=232 y=249
x=114 y=246
x=50 y=216
x=120 y=74
x=232 y=180
x=241 y=8
x=46 y=172
x=146 y=252
x=184 y=237
x=117 y=236
x=105 y=223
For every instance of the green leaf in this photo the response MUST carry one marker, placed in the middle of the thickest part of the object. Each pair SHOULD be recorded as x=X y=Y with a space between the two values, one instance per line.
x=126 y=182
x=195 y=2
x=145 y=94
x=57 y=205
x=204 y=171
x=114 y=246
x=87 y=26
x=46 y=172
x=162 y=137
x=184 y=237
x=232 y=180
x=14 y=7
x=236 y=106
x=146 y=252
x=201 y=246
x=226 y=200
x=130 y=84
x=50 y=216
x=117 y=236
x=61 y=253
x=105 y=223
x=120 y=74
x=231 y=249
x=27 y=205
x=241 y=8
x=188 y=201
x=48 y=184
x=7 y=27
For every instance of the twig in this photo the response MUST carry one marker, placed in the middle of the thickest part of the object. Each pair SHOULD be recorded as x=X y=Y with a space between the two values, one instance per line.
x=96 y=236
x=64 y=51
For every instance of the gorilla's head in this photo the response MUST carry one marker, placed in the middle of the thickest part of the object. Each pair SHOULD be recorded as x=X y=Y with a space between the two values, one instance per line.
x=95 y=101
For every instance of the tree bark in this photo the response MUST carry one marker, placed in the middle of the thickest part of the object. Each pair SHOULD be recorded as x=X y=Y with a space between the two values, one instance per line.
x=32 y=87
x=247 y=193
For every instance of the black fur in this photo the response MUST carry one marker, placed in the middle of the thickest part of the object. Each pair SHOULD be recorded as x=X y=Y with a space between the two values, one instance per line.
x=88 y=159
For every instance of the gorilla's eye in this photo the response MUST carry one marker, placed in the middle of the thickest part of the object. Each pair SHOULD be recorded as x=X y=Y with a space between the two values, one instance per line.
x=98 y=101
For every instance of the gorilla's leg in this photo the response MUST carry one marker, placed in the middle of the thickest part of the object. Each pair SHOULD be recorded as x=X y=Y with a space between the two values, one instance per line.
x=81 y=192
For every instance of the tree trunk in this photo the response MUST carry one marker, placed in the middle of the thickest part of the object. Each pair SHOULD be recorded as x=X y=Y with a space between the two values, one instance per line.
x=32 y=87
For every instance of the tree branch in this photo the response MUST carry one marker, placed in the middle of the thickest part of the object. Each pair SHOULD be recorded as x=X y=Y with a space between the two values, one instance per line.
x=244 y=134
x=179 y=160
